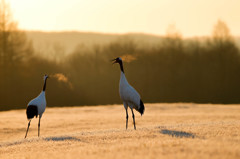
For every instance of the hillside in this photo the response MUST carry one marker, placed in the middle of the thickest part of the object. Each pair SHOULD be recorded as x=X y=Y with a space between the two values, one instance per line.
x=58 y=44
x=46 y=42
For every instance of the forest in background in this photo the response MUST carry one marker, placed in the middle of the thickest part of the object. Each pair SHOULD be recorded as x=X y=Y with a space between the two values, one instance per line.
x=173 y=70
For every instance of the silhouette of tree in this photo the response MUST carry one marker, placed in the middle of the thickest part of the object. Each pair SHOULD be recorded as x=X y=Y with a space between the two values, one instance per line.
x=221 y=33
x=173 y=38
x=14 y=46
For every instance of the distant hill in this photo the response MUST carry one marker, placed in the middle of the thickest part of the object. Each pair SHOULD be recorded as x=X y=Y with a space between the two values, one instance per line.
x=47 y=42
x=61 y=43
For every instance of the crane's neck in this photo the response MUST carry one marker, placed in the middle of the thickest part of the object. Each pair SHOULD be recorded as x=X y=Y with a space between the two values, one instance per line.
x=42 y=94
x=121 y=66
x=123 y=79
x=44 y=85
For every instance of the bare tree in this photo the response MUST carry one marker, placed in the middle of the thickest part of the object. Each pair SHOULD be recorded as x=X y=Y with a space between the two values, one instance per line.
x=14 y=46
x=173 y=32
x=221 y=33
x=173 y=38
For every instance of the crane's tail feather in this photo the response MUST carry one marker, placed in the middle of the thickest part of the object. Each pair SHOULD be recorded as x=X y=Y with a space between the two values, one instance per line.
x=32 y=111
x=141 y=109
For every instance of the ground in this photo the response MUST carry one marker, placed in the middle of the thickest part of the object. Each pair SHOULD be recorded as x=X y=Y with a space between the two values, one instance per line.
x=164 y=131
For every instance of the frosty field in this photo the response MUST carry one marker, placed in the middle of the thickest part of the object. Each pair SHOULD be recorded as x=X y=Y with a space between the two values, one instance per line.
x=164 y=131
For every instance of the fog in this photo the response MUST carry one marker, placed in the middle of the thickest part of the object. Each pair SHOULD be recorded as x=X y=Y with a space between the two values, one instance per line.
x=173 y=69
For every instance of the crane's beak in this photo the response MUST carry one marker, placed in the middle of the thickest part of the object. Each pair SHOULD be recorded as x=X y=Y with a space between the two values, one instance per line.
x=114 y=61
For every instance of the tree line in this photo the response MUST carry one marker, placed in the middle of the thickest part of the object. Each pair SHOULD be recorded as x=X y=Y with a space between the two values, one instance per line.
x=175 y=70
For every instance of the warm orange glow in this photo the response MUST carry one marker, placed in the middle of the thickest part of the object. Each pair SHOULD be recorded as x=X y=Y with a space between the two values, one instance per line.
x=120 y=16
x=61 y=77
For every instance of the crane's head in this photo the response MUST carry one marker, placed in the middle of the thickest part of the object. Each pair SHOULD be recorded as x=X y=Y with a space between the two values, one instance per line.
x=117 y=60
x=45 y=77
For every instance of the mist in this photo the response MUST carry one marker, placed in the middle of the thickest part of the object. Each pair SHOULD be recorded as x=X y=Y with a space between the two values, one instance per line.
x=163 y=69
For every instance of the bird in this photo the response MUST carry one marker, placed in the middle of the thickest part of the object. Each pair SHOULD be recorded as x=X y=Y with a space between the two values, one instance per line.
x=128 y=94
x=37 y=106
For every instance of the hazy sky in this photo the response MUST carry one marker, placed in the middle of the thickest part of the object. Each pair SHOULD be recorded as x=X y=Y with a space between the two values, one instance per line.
x=191 y=17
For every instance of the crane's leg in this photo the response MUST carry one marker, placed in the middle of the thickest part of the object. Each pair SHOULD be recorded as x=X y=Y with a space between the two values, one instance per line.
x=126 y=108
x=28 y=128
x=39 y=126
x=126 y=119
x=133 y=119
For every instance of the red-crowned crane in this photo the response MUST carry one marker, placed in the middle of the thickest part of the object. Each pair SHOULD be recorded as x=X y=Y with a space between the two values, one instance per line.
x=36 y=107
x=129 y=95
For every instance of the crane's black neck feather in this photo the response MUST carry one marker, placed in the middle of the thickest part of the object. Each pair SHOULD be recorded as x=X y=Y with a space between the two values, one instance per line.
x=121 y=66
x=44 y=86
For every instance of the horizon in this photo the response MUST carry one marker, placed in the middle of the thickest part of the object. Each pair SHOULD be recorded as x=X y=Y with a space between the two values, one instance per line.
x=118 y=34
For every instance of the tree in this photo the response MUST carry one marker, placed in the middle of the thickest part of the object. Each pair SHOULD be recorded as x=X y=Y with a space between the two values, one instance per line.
x=221 y=33
x=14 y=46
x=173 y=38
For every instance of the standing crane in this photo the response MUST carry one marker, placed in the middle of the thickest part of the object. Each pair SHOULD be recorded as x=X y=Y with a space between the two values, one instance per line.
x=129 y=95
x=37 y=106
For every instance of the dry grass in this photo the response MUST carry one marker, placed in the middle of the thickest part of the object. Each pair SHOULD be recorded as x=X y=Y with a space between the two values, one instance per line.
x=164 y=131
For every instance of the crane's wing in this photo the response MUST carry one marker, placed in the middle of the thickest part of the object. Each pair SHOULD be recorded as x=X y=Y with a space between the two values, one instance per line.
x=132 y=97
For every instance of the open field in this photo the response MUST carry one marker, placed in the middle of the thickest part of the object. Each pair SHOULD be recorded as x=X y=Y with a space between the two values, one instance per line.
x=164 y=131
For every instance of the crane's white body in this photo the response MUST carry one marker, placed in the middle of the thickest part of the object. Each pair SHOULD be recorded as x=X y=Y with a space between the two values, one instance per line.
x=128 y=94
x=40 y=102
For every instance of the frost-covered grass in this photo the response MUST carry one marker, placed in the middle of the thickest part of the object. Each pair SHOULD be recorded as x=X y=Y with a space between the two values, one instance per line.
x=164 y=131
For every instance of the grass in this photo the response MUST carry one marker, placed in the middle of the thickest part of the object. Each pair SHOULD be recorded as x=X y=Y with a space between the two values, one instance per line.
x=164 y=131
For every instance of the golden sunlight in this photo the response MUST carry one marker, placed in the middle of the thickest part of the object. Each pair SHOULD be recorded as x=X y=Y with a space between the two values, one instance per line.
x=192 y=18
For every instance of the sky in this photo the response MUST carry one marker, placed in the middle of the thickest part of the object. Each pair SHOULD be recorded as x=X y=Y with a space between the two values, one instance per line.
x=191 y=17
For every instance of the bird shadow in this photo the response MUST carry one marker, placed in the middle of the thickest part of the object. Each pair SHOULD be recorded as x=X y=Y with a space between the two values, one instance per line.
x=14 y=143
x=24 y=141
x=61 y=138
x=179 y=134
